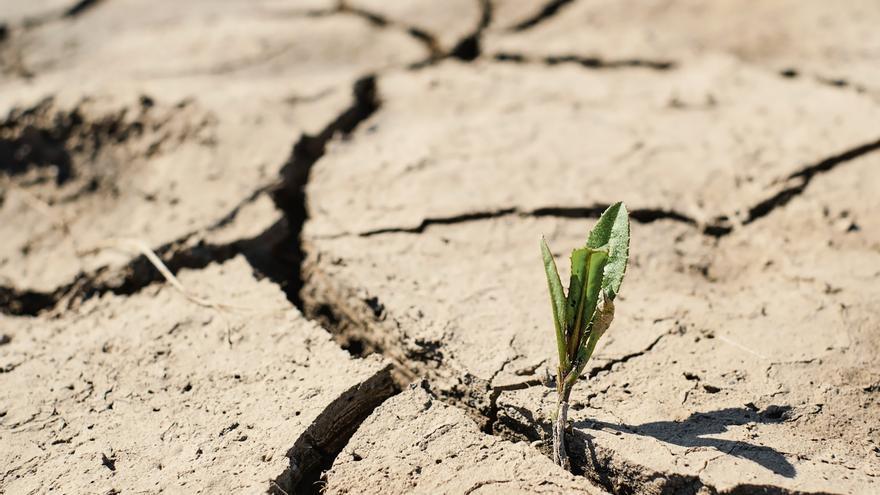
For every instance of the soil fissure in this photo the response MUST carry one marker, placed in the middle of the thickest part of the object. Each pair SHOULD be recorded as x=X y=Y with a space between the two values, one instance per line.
x=548 y=11
x=596 y=63
x=316 y=449
x=640 y=215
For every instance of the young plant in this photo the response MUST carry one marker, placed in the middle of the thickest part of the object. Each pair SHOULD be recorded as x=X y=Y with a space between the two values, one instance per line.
x=583 y=315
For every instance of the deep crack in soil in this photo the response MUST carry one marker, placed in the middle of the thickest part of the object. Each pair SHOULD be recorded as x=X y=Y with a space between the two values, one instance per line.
x=469 y=48
x=317 y=449
x=274 y=253
x=290 y=195
x=140 y=272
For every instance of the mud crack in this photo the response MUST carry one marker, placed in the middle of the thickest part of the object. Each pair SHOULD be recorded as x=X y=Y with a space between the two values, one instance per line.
x=316 y=449
x=466 y=49
x=469 y=48
x=718 y=227
x=24 y=302
x=797 y=184
x=424 y=37
x=608 y=365
x=73 y=10
x=290 y=194
x=549 y=10
x=186 y=252
x=128 y=280
x=597 y=63
x=81 y=7
x=640 y=215
x=275 y=253
x=834 y=82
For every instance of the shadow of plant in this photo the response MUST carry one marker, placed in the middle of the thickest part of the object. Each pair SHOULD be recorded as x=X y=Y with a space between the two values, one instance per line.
x=690 y=433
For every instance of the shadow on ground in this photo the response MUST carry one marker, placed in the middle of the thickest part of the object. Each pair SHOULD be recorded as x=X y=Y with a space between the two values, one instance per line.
x=690 y=433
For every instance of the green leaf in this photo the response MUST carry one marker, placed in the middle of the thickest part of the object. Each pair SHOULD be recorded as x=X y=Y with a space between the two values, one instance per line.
x=598 y=263
x=576 y=286
x=586 y=266
x=602 y=319
x=557 y=299
x=612 y=231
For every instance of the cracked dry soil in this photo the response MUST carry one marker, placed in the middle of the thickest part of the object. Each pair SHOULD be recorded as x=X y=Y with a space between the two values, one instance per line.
x=348 y=196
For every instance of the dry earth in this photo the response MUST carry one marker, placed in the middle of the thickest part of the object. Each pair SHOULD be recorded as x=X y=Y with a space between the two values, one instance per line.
x=346 y=198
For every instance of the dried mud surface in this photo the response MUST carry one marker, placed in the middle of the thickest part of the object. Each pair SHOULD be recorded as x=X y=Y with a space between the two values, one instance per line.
x=155 y=393
x=433 y=440
x=292 y=247
x=840 y=51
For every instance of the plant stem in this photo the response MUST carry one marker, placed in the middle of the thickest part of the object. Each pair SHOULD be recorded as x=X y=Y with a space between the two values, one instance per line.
x=560 y=457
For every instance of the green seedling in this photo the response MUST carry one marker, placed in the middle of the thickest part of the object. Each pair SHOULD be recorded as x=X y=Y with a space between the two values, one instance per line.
x=583 y=315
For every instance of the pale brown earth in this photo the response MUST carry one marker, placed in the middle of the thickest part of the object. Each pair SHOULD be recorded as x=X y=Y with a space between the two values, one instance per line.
x=154 y=393
x=835 y=43
x=442 y=25
x=374 y=177
x=34 y=11
x=438 y=449
x=120 y=137
x=455 y=139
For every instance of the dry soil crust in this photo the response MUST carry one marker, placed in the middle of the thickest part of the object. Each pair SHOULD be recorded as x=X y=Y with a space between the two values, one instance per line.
x=153 y=392
x=841 y=49
x=158 y=148
x=703 y=144
x=744 y=355
x=733 y=353
x=414 y=443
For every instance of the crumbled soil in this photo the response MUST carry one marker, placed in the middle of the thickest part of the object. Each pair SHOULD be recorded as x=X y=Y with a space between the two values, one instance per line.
x=265 y=247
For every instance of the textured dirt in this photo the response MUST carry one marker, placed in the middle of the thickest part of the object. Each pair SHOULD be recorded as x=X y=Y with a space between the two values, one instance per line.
x=433 y=440
x=32 y=12
x=760 y=390
x=477 y=143
x=108 y=153
x=352 y=193
x=512 y=15
x=716 y=344
x=155 y=393
x=746 y=331
x=234 y=38
x=443 y=25
x=841 y=49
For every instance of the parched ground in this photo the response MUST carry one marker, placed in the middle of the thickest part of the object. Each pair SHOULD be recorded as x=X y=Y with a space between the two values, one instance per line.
x=292 y=247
